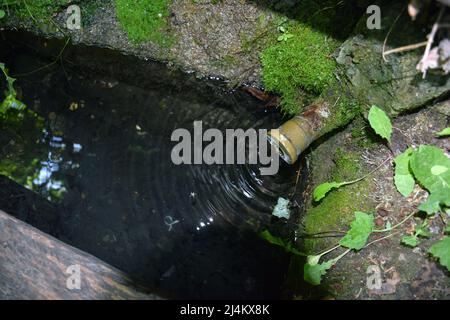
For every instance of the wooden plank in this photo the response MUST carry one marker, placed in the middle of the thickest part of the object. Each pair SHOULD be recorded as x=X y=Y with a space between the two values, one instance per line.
x=34 y=265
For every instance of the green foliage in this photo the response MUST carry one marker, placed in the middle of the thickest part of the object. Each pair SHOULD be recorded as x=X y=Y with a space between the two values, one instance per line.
x=445 y=132
x=40 y=11
x=321 y=191
x=10 y=102
x=435 y=200
x=441 y=250
x=144 y=20
x=380 y=123
x=2 y=14
x=360 y=230
x=404 y=180
x=347 y=168
x=313 y=272
x=303 y=62
x=411 y=241
x=431 y=167
x=285 y=36
x=286 y=245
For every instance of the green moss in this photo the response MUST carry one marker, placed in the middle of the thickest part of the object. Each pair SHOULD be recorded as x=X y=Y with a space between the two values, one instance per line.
x=40 y=11
x=336 y=210
x=362 y=134
x=145 y=20
x=302 y=62
x=343 y=107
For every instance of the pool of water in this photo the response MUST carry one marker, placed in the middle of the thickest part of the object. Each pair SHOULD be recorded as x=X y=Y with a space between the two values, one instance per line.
x=101 y=156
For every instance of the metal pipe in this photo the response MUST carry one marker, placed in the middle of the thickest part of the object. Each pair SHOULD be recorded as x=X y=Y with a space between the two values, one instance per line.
x=296 y=134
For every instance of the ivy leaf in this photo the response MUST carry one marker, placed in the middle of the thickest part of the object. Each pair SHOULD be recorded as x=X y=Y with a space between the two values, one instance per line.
x=404 y=180
x=380 y=123
x=321 y=191
x=441 y=250
x=431 y=167
x=411 y=241
x=360 y=230
x=312 y=273
x=444 y=133
x=2 y=14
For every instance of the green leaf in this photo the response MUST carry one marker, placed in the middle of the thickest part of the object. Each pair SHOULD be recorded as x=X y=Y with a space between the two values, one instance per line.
x=380 y=122
x=411 y=241
x=438 y=170
x=441 y=250
x=2 y=14
x=312 y=273
x=422 y=230
x=431 y=167
x=444 y=133
x=321 y=191
x=447 y=229
x=286 y=245
x=360 y=230
x=404 y=180
x=435 y=200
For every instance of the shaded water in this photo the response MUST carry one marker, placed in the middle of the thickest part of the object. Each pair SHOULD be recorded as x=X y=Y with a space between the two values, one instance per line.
x=102 y=157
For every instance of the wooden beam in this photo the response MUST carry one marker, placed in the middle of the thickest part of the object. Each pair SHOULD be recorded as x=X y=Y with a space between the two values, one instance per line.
x=34 y=265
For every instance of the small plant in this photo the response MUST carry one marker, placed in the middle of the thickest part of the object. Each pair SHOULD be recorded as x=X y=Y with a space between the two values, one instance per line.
x=10 y=101
x=426 y=165
x=285 y=35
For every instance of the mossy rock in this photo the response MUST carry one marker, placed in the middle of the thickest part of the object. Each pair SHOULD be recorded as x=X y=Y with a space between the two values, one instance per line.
x=334 y=213
x=301 y=62
x=393 y=84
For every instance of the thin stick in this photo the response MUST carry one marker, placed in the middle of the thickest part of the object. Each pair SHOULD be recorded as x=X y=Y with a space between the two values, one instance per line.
x=389 y=33
x=383 y=238
x=406 y=48
x=398 y=224
x=370 y=173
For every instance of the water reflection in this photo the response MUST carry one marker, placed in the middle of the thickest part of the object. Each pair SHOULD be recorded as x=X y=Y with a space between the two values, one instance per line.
x=104 y=156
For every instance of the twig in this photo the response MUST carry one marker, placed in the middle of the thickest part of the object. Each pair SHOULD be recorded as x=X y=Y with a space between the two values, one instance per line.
x=383 y=238
x=371 y=172
x=389 y=33
x=406 y=48
x=59 y=57
x=398 y=224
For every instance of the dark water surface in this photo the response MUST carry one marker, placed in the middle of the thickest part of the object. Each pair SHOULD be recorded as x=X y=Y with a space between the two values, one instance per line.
x=102 y=158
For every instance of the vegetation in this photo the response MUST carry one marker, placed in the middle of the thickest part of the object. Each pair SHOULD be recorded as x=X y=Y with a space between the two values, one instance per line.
x=301 y=59
x=144 y=20
x=40 y=11
x=10 y=101
x=426 y=165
